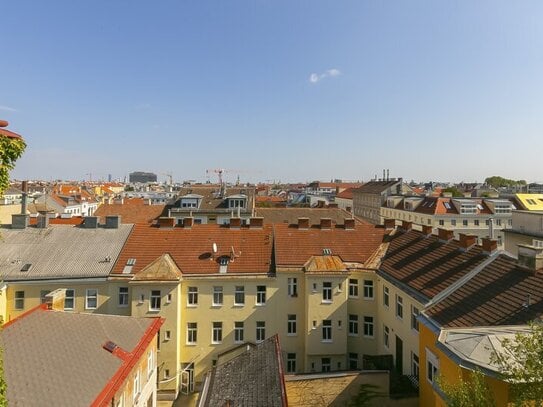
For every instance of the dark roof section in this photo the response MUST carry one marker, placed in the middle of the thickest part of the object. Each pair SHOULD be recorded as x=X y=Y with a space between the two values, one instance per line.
x=254 y=378
x=496 y=296
x=377 y=187
x=426 y=265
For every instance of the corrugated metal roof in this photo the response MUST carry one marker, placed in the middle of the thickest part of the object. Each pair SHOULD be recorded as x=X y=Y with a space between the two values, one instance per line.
x=60 y=252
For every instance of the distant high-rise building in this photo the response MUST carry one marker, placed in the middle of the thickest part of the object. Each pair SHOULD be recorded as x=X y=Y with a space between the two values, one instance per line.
x=139 y=176
x=108 y=177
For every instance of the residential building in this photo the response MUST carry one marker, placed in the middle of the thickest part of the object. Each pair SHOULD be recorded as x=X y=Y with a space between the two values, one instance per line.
x=11 y=196
x=142 y=177
x=368 y=199
x=526 y=229
x=344 y=199
x=529 y=202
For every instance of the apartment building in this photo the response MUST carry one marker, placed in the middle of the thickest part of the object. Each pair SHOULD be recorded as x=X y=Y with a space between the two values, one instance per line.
x=370 y=197
x=526 y=229
x=478 y=216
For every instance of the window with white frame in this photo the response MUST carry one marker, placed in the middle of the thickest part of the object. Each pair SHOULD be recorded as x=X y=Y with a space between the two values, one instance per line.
x=19 y=300
x=464 y=222
x=192 y=296
x=137 y=386
x=192 y=332
x=368 y=327
x=292 y=283
x=353 y=288
x=386 y=296
x=327 y=330
x=399 y=307
x=476 y=222
x=291 y=324
x=150 y=364
x=327 y=291
x=260 y=331
x=291 y=363
x=216 y=336
x=69 y=299
x=368 y=289
x=415 y=368
x=386 y=336
x=238 y=331
x=154 y=300
x=123 y=296
x=432 y=366
x=441 y=222
x=217 y=295
x=353 y=324
x=326 y=364
x=414 y=321
x=91 y=298
x=260 y=294
x=239 y=295
x=353 y=361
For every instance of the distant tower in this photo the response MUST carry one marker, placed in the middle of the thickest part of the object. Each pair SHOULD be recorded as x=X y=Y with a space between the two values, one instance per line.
x=108 y=177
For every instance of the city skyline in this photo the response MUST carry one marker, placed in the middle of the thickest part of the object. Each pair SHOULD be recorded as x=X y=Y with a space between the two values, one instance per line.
x=296 y=92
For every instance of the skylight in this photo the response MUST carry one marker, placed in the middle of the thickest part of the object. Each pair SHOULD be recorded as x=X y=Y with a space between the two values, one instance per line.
x=26 y=267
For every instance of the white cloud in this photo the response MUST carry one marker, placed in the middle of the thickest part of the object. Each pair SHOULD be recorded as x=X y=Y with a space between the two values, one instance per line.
x=315 y=77
x=7 y=109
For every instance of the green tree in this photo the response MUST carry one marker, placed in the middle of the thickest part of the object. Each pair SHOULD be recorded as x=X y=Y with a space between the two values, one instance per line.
x=521 y=365
x=10 y=151
x=499 y=182
x=453 y=190
x=473 y=391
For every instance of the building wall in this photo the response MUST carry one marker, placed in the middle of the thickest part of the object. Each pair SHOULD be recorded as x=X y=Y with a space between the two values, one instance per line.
x=343 y=203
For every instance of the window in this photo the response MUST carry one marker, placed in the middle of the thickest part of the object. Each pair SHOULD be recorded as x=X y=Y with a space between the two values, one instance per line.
x=217 y=332
x=91 y=298
x=327 y=291
x=327 y=330
x=192 y=297
x=166 y=373
x=453 y=222
x=154 y=300
x=415 y=370
x=260 y=294
x=314 y=289
x=167 y=335
x=368 y=327
x=137 y=385
x=386 y=336
x=292 y=287
x=353 y=361
x=385 y=296
x=150 y=364
x=498 y=222
x=476 y=222
x=291 y=363
x=260 y=331
x=192 y=332
x=238 y=331
x=239 y=295
x=465 y=222
x=69 y=299
x=291 y=324
x=537 y=243
x=399 y=307
x=353 y=324
x=325 y=364
x=19 y=299
x=217 y=295
x=441 y=222
x=123 y=296
x=353 y=288
x=43 y=294
x=414 y=321
x=432 y=366
x=368 y=289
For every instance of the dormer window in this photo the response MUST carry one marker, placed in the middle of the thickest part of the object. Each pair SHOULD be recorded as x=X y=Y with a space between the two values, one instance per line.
x=237 y=201
x=327 y=252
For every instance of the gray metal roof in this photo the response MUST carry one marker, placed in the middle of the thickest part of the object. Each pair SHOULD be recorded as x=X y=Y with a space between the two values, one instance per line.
x=55 y=358
x=59 y=252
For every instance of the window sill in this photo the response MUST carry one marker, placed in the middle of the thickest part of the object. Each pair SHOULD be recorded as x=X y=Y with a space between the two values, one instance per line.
x=353 y=335
x=292 y=335
x=192 y=305
x=191 y=343
x=326 y=302
x=216 y=305
x=369 y=337
x=239 y=305
x=154 y=310
x=353 y=297
x=260 y=304
x=216 y=343
x=327 y=341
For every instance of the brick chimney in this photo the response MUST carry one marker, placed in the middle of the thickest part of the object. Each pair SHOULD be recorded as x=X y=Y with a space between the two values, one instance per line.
x=427 y=230
x=349 y=224
x=466 y=241
x=188 y=222
x=303 y=223
x=55 y=299
x=235 y=223
x=445 y=235
x=333 y=205
x=530 y=257
x=166 y=222
x=256 y=222
x=349 y=209
x=489 y=245
x=326 y=223
x=407 y=226
x=390 y=224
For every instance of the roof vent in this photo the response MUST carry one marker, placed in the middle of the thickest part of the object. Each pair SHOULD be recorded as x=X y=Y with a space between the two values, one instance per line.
x=26 y=267
x=327 y=252
x=110 y=346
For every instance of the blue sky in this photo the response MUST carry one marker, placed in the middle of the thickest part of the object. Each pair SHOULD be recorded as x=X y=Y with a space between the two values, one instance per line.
x=283 y=90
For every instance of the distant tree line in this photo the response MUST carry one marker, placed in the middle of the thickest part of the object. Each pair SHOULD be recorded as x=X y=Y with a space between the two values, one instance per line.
x=499 y=182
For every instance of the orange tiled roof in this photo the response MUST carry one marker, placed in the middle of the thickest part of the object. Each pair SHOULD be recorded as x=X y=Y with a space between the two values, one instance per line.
x=75 y=220
x=131 y=213
x=346 y=194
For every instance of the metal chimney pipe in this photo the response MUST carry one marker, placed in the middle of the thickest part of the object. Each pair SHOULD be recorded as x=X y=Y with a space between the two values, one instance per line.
x=24 y=187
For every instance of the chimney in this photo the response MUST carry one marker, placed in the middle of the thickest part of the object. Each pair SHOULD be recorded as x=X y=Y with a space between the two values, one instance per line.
x=407 y=226
x=42 y=221
x=427 y=230
x=445 y=235
x=235 y=222
x=303 y=223
x=24 y=188
x=530 y=257
x=256 y=222
x=349 y=209
x=333 y=205
x=113 y=221
x=55 y=299
x=466 y=240
x=390 y=224
x=349 y=224
x=188 y=222
x=489 y=245
x=166 y=222
x=90 y=222
x=19 y=221
x=326 y=223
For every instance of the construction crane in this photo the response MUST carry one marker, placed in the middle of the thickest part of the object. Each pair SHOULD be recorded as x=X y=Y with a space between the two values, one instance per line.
x=222 y=171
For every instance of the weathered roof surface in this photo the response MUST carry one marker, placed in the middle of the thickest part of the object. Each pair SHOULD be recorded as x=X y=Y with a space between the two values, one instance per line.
x=210 y=197
x=254 y=378
x=294 y=246
x=427 y=265
x=376 y=187
x=57 y=359
x=192 y=249
x=495 y=296
x=60 y=252
x=291 y=215
x=346 y=194
x=131 y=212
x=162 y=269
x=325 y=263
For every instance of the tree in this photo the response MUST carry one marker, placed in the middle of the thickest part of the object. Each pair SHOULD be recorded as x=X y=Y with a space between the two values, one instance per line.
x=521 y=365
x=10 y=151
x=452 y=190
x=500 y=182
x=473 y=391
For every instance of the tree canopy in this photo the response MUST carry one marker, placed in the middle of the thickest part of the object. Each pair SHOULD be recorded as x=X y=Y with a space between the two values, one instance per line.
x=499 y=182
x=11 y=150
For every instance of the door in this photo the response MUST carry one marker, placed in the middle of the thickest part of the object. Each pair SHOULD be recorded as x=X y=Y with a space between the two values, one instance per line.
x=399 y=355
x=187 y=378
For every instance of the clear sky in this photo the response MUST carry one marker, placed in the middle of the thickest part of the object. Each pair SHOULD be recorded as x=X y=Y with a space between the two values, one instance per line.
x=285 y=90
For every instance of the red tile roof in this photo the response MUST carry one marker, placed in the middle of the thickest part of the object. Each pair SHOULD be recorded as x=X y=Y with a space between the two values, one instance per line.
x=131 y=212
x=346 y=194
x=191 y=249
x=75 y=220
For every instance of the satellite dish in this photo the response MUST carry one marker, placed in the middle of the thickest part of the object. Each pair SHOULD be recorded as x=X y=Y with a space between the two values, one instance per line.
x=214 y=247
